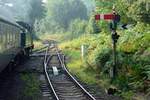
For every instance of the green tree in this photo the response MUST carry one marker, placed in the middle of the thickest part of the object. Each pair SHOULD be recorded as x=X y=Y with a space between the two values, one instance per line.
x=134 y=10
x=61 y=13
x=77 y=27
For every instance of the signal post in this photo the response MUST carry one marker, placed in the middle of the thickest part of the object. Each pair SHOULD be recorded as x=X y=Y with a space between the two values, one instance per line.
x=115 y=18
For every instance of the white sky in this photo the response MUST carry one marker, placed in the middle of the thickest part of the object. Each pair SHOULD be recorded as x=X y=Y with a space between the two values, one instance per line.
x=44 y=1
x=9 y=4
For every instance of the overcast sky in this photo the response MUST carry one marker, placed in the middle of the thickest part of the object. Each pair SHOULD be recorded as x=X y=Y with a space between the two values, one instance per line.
x=44 y=1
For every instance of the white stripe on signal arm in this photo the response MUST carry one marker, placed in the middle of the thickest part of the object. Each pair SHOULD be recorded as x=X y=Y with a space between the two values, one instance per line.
x=101 y=16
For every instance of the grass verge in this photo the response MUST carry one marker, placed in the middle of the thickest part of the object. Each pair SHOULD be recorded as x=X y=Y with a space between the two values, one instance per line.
x=31 y=90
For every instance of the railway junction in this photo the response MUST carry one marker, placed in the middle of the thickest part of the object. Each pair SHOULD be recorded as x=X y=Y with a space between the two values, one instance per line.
x=54 y=80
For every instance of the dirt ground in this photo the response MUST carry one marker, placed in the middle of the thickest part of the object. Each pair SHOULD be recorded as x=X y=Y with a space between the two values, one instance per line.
x=13 y=86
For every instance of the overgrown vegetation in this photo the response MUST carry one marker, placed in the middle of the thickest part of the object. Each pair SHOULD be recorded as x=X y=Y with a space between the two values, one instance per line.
x=133 y=61
x=133 y=49
x=31 y=90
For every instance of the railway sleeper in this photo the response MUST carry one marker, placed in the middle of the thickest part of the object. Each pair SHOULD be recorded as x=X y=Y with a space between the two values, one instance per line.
x=72 y=97
x=73 y=90
x=70 y=93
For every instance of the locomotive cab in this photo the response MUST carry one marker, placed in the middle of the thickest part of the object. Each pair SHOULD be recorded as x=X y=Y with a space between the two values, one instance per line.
x=26 y=39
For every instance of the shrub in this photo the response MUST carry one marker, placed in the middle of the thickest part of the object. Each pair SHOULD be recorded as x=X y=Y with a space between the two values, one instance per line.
x=102 y=57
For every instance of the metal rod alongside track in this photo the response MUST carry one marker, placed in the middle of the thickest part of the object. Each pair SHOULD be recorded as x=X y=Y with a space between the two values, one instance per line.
x=64 y=86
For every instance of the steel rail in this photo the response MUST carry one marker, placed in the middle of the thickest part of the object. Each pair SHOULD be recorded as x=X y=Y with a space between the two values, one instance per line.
x=64 y=67
x=46 y=59
x=40 y=49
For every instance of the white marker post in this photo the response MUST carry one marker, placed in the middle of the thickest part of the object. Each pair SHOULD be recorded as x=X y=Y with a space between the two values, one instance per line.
x=83 y=51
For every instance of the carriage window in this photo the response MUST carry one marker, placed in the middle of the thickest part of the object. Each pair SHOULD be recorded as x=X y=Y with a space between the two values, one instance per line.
x=18 y=36
x=0 y=32
x=5 y=36
x=8 y=34
x=16 y=32
x=14 y=36
x=0 y=44
x=11 y=42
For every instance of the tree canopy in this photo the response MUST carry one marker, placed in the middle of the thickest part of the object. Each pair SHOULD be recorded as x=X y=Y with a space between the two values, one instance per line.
x=136 y=10
x=61 y=13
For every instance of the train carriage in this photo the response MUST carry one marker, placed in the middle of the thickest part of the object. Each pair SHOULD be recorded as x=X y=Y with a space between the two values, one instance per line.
x=12 y=44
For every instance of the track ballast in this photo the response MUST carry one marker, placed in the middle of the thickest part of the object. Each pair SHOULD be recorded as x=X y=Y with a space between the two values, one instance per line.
x=63 y=85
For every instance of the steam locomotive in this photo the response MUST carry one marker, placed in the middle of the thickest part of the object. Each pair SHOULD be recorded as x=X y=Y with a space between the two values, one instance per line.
x=16 y=42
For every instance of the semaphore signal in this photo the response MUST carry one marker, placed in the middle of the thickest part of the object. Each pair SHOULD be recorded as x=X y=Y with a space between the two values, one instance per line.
x=115 y=19
x=106 y=17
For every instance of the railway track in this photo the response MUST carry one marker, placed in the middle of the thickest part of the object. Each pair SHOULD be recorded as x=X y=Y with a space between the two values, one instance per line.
x=63 y=85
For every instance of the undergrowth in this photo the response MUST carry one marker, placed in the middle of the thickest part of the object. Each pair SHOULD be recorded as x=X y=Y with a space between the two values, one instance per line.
x=31 y=90
x=133 y=52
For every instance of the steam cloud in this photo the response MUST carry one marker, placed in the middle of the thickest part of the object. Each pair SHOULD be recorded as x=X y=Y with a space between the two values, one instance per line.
x=15 y=10
x=19 y=9
x=90 y=4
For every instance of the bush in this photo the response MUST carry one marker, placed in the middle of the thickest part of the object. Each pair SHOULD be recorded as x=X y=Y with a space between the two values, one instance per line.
x=133 y=55
x=102 y=57
x=31 y=89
